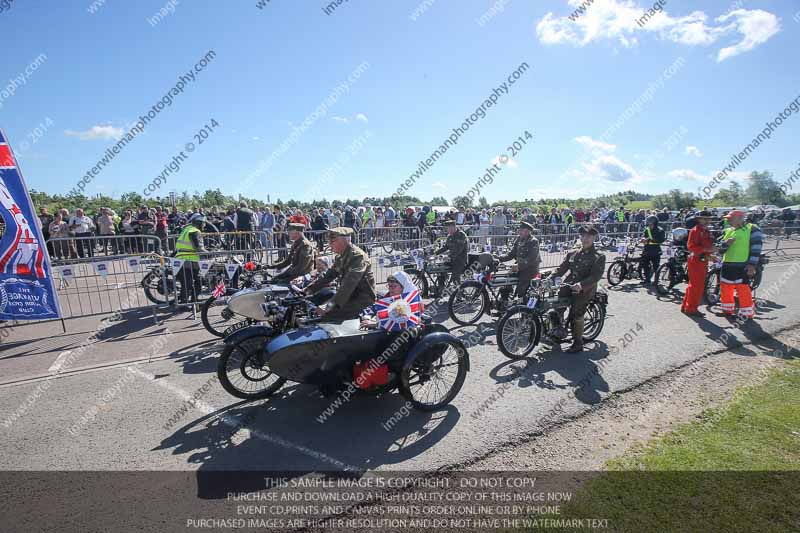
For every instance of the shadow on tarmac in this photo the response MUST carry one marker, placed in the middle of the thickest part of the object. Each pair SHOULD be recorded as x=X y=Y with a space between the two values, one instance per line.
x=363 y=434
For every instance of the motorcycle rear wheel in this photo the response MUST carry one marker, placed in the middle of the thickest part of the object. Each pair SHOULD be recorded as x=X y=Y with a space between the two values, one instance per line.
x=429 y=374
x=593 y=321
x=616 y=273
x=468 y=303
x=711 y=291
x=240 y=373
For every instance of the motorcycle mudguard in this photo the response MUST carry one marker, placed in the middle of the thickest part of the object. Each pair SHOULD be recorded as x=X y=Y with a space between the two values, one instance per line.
x=246 y=333
x=426 y=342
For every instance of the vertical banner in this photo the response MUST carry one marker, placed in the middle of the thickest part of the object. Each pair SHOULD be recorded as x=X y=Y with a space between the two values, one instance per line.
x=27 y=291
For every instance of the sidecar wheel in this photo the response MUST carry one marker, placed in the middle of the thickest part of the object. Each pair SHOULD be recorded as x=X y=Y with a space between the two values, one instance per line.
x=241 y=374
x=435 y=376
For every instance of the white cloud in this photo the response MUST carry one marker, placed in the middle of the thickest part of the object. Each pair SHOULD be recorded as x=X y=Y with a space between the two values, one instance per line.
x=595 y=146
x=609 y=167
x=616 y=20
x=256 y=138
x=341 y=119
x=438 y=185
x=757 y=26
x=687 y=174
x=694 y=150
x=96 y=132
x=362 y=117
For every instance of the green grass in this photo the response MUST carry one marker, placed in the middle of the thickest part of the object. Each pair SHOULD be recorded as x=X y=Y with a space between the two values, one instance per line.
x=735 y=469
x=639 y=204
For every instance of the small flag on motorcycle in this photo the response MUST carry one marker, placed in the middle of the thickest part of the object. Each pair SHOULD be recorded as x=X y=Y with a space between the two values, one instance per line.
x=219 y=290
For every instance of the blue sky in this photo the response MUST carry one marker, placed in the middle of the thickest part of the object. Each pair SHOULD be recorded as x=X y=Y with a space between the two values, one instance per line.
x=274 y=66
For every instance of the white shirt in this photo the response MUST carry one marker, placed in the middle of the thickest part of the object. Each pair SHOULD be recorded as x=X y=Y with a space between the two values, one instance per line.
x=82 y=224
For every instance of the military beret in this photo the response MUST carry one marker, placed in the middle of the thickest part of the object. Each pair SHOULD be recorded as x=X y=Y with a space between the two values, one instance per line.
x=341 y=231
x=525 y=225
x=294 y=226
x=591 y=230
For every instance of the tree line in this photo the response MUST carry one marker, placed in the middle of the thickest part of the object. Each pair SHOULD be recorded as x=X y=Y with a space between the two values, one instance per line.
x=761 y=189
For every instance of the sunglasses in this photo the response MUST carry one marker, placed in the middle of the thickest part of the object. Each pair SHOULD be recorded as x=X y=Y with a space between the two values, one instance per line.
x=392 y=280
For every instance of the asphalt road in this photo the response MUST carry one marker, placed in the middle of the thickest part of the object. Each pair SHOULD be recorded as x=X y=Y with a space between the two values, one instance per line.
x=125 y=408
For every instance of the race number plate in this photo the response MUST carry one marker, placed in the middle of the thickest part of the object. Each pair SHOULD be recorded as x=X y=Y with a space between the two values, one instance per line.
x=532 y=303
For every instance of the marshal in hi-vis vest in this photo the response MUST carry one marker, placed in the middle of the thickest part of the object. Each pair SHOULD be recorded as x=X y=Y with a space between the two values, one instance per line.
x=739 y=251
x=184 y=247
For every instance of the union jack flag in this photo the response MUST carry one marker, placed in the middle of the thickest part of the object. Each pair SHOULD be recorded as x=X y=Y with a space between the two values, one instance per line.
x=219 y=290
x=396 y=313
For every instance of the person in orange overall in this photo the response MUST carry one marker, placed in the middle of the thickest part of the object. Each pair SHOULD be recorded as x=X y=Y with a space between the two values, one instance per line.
x=700 y=245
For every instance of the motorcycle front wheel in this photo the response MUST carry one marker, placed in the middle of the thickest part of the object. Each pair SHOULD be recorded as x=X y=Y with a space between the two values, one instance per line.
x=153 y=285
x=665 y=279
x=518 y=332
x=435 y=376
x=241 y=373
x=215 y=315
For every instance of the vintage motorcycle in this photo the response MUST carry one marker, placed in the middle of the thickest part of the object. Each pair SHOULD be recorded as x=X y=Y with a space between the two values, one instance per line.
x=491 y=288
x=674 y=271
x=160 y=284
x=713 y=279
x=628 y=266
x=428 y=272
x=242 y=301
x=522 y=326
x=426 y=363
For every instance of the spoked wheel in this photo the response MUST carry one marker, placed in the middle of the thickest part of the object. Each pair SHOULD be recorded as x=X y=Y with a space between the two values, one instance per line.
x=468 y=303
x=241 y=373
x=518 y=332
x=712 y=288
x=593 y=320
x=435 y=376
x=665 y=279
x=216 y=316
x=616 y=273
x=153 y=285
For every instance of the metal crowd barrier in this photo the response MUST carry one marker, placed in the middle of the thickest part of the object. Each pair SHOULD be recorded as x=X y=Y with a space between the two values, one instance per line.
x=102 y=285
x=109 y=282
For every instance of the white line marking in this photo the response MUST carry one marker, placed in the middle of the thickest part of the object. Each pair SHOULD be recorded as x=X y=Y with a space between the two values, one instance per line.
x=208 y=409
x=57 y=364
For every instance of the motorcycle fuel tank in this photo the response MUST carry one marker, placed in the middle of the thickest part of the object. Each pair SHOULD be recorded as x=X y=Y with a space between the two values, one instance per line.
x=247 y=302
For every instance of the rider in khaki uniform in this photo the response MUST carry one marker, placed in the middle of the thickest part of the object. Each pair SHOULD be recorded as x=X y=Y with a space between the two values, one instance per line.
x=526 y=253
x=585 y=267
x=457 y=246
x=301 y=256
x=356 y=283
